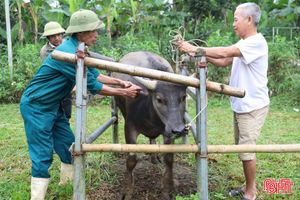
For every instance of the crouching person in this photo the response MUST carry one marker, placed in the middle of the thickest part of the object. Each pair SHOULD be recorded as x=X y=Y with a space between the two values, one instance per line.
x=46 y=125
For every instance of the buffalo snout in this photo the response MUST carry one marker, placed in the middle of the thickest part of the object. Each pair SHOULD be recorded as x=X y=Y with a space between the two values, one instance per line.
x=179 y=132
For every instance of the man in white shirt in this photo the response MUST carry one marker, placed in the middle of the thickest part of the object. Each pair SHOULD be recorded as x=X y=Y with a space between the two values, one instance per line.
x=249 y=59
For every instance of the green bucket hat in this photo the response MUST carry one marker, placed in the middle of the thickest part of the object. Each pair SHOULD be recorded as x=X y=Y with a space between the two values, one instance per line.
x=84 y=20
x=52 y=28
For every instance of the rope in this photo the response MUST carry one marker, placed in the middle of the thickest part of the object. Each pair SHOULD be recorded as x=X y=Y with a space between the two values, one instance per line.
x=189 y=125
x=178 y=35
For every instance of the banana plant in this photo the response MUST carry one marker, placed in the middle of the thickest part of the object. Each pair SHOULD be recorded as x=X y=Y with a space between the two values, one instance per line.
x=75 y=5
x=57 y=11
x=34 y=8
x=107 y=10
x=20 y=19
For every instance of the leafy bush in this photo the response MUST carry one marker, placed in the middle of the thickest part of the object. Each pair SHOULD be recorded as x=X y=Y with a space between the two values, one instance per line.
x=129 y=43
x=220 y=38
x=125 y=44
x=282 y=72
x=26 y=61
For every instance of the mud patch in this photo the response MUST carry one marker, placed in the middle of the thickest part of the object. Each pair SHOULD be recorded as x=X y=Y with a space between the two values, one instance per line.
x=147 y=177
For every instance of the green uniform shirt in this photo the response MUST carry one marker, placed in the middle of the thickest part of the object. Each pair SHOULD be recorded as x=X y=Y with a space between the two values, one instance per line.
x=55 y=79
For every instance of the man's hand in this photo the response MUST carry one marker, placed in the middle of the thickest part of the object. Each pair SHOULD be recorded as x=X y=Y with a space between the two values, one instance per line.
x=187 y=47
x=80 y=54
x=125 y=84
x=191 y=49
x=133 y=91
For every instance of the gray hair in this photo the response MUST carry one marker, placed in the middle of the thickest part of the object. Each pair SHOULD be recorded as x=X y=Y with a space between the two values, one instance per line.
x=251 y=9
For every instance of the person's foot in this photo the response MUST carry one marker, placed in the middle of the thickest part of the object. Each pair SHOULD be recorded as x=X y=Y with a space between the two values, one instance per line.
x=249 y=196
x=245 y=198
x=236 y=192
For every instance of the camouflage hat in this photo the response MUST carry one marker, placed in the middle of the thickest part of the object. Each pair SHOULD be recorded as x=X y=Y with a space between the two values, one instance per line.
x=52 y=28
x=84 y=20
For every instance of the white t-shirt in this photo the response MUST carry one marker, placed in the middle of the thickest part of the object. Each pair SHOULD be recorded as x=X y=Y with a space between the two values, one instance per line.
x=249 y=72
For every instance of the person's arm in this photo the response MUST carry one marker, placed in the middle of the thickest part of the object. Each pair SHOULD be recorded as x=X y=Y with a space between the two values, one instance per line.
x=213 y=52
x=131 y=91
x=222 y=52
x=113 y=81
x=221 y=62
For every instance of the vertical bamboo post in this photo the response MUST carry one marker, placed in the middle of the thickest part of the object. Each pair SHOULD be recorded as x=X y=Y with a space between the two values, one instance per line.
x=8 y=33
x=114 y=113
x=81 y=102
x=202 y=164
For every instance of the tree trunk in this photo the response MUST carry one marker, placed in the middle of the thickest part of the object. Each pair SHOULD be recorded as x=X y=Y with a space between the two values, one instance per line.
x=21 y=31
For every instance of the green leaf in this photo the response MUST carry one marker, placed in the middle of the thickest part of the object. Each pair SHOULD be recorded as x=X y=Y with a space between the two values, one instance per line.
x=3 y=33
x=297 y=10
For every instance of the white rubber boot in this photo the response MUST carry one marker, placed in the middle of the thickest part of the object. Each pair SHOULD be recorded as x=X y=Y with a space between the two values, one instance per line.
x=39 y=188
x=66 y=173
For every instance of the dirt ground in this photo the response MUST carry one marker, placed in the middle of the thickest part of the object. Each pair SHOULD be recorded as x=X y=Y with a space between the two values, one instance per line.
x=147 y=180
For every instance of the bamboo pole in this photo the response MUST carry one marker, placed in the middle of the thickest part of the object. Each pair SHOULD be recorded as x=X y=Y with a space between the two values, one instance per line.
x=191 y=148
x=149 y=73
x=9 y=44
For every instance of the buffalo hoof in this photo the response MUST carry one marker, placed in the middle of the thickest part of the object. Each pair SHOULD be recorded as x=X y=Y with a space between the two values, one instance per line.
x=167 y=196
x=127 y=196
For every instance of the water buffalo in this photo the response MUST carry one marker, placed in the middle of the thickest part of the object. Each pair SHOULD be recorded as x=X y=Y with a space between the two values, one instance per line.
x=158 y=110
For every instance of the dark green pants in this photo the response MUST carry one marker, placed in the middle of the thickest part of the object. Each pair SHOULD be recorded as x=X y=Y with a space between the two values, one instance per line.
x=47 y=129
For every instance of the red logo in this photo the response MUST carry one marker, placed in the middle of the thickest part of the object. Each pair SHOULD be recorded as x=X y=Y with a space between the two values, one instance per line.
x=283 y=186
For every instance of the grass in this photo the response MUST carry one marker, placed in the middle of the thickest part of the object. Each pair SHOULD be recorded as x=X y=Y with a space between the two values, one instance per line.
x=282 y=127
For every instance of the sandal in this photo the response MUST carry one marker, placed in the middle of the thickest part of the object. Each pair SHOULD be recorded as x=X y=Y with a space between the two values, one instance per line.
x=244 y=198
x=236 y=192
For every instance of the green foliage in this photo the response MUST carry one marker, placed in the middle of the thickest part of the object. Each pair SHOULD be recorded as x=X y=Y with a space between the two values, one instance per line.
x=26 y=61
x=282 y=72
x=125 y=44
x=145 y=25
x=106 y=100
x=129 y=43
x=191 y=197
x=220 y=38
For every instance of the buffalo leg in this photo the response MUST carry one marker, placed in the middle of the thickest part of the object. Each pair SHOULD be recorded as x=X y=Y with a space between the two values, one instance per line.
x=167 y=180
x=129 y=179
x=154 y=156
x=130 y=137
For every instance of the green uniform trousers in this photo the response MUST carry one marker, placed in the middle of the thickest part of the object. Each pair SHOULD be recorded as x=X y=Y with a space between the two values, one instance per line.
x=46 y=130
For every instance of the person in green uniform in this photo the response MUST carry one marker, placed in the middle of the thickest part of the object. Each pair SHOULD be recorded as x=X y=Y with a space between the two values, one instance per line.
x=46 y=125
x=54 y=32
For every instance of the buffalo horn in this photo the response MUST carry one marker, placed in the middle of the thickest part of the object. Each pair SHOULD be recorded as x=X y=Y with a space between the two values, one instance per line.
x=149 y=84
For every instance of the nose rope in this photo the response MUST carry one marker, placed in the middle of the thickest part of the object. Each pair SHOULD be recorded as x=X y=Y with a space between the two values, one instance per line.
x=189 y=125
